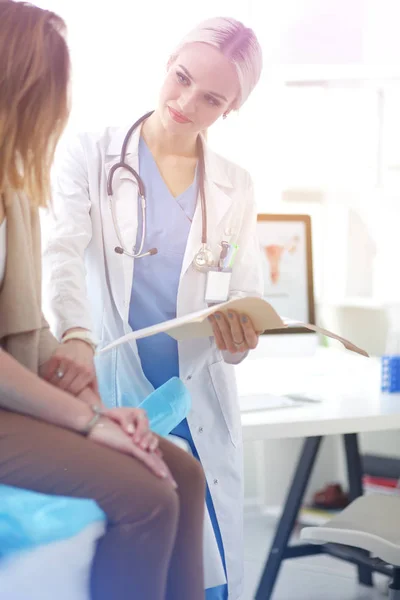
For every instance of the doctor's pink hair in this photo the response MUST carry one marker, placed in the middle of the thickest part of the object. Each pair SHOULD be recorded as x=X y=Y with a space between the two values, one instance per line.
x=237 y=43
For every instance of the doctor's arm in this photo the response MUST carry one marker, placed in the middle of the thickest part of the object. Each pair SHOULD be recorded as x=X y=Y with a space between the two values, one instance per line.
x=69 y=231
x=53 y=361
x=235 y=335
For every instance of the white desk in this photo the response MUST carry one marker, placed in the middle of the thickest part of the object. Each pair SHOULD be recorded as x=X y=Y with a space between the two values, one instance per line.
x=348 y=384
x=351 y=402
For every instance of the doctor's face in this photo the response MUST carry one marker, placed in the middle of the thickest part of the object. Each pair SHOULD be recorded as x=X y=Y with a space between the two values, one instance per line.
x=201 y=84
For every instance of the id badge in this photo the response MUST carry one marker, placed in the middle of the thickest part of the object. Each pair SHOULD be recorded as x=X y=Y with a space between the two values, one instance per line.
x=217 y=286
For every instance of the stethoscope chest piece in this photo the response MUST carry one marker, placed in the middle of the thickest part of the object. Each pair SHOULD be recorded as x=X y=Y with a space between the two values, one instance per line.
x=204 y=259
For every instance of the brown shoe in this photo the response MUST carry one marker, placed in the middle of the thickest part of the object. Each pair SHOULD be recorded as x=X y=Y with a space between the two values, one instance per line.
x=331 y=497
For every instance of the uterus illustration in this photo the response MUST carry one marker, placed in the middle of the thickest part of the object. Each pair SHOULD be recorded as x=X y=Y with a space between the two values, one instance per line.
x=275 y=252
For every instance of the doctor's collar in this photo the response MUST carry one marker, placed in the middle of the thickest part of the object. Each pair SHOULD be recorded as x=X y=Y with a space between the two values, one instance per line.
x=215 y=165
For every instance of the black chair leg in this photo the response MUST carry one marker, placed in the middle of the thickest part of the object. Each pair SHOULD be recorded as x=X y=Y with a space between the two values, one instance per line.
x=287 y=521
x=395 y=583
x=355 y=474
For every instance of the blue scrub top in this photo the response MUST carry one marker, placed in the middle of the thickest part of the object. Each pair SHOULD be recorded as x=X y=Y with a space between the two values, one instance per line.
x=156 y=278
x=155 y=290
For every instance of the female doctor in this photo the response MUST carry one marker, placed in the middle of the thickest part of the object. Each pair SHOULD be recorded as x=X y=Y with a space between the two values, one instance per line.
x=139 y=216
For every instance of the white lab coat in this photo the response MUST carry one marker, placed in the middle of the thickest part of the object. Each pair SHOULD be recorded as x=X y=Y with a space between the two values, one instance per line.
x=87 y=284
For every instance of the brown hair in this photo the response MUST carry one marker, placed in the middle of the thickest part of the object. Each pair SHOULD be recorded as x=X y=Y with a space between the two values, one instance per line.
x=34 y=105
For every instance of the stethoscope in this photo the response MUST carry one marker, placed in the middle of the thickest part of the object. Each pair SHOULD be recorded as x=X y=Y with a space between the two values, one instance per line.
x=203 y=259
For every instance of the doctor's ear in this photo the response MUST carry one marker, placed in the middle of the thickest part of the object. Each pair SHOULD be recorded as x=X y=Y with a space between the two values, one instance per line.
x=232 y=108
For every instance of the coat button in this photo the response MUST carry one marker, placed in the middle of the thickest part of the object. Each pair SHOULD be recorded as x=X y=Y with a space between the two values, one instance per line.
x=188 y=378
x=200 y=430
x=216 y=482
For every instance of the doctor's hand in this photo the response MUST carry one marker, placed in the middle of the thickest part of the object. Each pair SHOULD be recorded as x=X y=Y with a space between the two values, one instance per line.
x=71 y=368
x=110 y=434
x=234 y=332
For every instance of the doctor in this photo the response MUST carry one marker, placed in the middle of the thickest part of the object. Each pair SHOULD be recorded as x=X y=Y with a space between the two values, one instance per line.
x=139 y=216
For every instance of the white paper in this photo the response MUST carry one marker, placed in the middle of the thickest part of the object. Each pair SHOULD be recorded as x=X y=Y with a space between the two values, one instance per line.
x=196 y=325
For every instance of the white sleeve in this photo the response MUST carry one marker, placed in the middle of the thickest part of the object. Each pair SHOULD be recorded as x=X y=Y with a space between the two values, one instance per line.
x=247 y=277
x=68 y=229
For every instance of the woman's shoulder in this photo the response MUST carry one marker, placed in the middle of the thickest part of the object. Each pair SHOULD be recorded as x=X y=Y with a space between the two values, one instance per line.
x=21 y=214
x=13 y=198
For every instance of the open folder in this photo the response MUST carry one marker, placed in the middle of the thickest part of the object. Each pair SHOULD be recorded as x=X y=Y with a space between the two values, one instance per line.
x=197 y=325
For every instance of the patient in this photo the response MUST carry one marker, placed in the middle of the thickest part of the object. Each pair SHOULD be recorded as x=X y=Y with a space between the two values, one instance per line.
x=51 y=441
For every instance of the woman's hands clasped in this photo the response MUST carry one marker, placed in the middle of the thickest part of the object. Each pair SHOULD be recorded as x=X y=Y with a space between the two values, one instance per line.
x=110 y=433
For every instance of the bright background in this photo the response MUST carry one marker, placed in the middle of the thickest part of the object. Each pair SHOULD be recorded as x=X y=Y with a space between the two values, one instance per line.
x=320 y=134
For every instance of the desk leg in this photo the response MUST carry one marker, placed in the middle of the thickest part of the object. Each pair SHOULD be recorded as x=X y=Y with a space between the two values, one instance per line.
x=354 y=472
x=287 y=521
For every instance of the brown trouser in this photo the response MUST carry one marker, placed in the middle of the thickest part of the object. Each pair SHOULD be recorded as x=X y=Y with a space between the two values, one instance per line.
x=152 y=549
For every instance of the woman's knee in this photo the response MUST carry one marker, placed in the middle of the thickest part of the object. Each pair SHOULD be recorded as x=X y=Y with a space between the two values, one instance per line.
x=164 y=506
x=148 y=499
x=191 y=475
x=187 y=471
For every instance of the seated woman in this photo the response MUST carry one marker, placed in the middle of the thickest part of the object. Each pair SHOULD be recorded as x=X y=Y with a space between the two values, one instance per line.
x=52 y=441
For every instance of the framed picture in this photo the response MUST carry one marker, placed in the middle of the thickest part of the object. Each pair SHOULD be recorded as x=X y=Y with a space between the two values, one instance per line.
x=286 y=254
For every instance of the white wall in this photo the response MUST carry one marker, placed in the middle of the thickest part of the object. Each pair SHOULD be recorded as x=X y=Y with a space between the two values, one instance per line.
x=270 y=466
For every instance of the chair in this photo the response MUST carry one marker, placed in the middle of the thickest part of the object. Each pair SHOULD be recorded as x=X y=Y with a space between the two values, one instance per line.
x=370 y=523
x=58 y=570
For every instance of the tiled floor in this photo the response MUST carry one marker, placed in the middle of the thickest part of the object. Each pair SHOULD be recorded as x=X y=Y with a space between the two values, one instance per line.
x=309 y=578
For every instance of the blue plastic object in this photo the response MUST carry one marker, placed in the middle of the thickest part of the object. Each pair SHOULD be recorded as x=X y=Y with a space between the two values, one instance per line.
x=167 y=406
x=29 y=519
x=390 y=377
